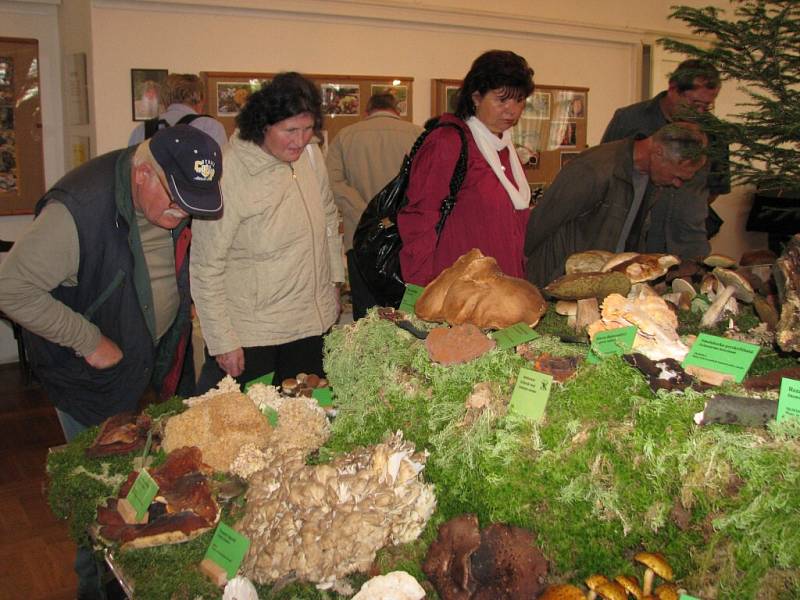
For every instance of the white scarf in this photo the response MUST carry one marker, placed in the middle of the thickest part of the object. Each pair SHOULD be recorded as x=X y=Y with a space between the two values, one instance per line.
x=489 y=145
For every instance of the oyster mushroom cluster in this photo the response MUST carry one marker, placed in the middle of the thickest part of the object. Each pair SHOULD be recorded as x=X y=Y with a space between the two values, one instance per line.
x=320 y=523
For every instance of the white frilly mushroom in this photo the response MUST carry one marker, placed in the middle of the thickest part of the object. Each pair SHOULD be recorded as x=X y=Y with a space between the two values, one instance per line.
x=397 y=585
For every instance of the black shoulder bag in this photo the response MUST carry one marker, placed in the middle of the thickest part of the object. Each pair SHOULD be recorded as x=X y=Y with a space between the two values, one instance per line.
x=151 y=126
x=376 y=241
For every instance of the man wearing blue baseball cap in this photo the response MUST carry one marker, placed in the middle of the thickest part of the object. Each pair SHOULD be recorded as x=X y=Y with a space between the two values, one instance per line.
x=100 y=281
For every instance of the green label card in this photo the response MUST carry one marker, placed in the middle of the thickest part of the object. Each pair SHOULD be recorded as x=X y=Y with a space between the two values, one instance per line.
x=789 y=400
x=721 y=355
x=227 y=549
x=531 y=393
x=271 y=414
x=323 y=396
x=265 y=379
x=514 y=336
x=613 y=341
x=687 y=597
x=142 y=493
x=410 y=297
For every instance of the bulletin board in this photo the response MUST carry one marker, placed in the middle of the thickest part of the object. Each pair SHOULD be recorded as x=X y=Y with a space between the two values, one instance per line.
x=344 y=97
x=21 y=159
x=551 y=131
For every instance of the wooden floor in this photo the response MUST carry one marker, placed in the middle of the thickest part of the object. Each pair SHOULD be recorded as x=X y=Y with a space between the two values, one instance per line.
x=36 y=553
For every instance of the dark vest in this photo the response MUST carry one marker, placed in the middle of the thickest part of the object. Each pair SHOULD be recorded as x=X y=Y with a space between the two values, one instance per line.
x=105 y=295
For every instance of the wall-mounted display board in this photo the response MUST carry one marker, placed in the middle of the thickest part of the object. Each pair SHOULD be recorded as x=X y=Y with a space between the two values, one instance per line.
x=21 y=159
x=344 y=97
x=551 y=131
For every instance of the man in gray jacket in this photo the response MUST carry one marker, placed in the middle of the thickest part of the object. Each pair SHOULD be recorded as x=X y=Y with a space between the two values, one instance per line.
x=603 y=199
x=362 y=159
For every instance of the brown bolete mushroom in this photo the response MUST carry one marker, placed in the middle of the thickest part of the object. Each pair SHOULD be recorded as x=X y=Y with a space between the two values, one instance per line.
x=590 y=261
x=631 y=585
x=563 y=591
x=655 y=564
x=719 y=260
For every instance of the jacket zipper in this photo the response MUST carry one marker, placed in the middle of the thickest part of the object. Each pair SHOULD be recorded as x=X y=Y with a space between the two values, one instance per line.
x=313 y=244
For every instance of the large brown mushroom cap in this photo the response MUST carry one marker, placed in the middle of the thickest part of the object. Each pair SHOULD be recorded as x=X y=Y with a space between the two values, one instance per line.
x=643 y=267
x=475 y=290
x=562 y=592
x=448 y=562
x=631 y=585
x=586 y=262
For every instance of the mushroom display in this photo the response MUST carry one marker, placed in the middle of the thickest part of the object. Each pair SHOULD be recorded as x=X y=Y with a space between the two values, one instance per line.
x=458 y=344
x=474 y=290
x=655 y=564
x=320 y=523
x=499 y=563
x=657 y=336
x=641 y=267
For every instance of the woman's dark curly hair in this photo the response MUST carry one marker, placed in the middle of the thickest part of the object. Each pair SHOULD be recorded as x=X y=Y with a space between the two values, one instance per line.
x=286 y=96
x=494 y=70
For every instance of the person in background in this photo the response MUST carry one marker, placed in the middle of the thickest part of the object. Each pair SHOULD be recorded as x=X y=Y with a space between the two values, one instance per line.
x=184 y=96
x=361 y=160
x=680 y=222
x=603 y=199
x=100 y=283
x=492 y=206
x=264 y=275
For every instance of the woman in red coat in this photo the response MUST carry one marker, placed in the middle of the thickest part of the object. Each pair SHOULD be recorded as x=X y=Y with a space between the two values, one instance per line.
x=492 y=208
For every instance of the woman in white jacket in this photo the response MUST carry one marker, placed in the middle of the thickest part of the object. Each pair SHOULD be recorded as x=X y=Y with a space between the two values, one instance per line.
x=263 y=276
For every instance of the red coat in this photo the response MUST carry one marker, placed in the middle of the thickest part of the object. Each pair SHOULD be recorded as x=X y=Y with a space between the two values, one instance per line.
x=483 y=217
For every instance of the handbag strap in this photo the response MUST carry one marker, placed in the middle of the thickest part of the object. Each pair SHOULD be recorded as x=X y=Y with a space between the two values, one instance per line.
x=459 y=172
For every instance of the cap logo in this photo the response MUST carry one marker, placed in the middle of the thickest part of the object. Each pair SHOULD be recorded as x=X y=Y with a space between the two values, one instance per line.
x=205 y=170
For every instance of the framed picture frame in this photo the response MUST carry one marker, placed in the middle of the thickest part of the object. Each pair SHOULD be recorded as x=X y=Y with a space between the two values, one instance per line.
x=443 y=95
x=145 y=89
x=400 y=93
x=537 y=106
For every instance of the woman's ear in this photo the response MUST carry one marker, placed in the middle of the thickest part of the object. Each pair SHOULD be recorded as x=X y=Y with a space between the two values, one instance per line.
x=476 y=98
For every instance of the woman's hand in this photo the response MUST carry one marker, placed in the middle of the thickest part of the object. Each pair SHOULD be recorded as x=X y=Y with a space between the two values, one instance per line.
x=232 y=362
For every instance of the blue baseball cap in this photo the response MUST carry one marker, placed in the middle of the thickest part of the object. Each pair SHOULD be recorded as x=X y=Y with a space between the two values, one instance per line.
x=192 y=164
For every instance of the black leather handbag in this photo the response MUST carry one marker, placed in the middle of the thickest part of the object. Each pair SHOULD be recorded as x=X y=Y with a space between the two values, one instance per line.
x=376 y=241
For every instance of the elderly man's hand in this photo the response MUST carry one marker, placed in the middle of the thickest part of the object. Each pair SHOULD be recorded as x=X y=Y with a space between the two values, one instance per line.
x=106 y=355
x=232 y=362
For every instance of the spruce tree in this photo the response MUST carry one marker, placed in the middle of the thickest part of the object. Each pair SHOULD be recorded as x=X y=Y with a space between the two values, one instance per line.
x=757 y=44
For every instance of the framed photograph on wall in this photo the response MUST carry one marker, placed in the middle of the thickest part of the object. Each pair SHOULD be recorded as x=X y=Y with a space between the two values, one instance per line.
x=145 y=88
x=537 y=106
x=340 y=99
x=231 y=95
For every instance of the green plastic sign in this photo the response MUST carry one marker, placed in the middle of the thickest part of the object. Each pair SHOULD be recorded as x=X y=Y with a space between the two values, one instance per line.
x=271 y=414
x=687 y=597
x=722 y=355
x=323 y=396
x=789 y=400
x=613 y=341
x=531 y=393
x=142 y=492
x=227 y=549
x=514 y=336
x=410 y=297
x=265 y=379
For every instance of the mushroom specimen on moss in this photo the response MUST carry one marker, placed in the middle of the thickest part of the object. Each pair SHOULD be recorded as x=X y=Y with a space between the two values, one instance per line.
x=655 y=564
x=500 y=562
x=319 y=523
x=562 y=592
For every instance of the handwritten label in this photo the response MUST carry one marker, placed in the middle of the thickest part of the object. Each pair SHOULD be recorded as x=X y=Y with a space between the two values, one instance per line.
x=531 y=393
x=514 y=336
x=410 y=297
x=722 y=355
x=265 y=379
x=227 y=549
x=613 y=341
x=323 y=396
x=142 y=492
x=789 y=400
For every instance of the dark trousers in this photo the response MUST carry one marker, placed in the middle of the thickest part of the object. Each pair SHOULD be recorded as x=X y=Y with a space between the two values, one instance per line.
x=359 y=292
x=285 y=360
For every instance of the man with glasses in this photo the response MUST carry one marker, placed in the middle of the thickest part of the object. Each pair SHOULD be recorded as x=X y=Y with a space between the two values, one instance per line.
x=680 y=218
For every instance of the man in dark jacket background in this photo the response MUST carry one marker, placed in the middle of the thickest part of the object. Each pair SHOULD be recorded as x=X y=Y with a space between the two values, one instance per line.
x=603 y=198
